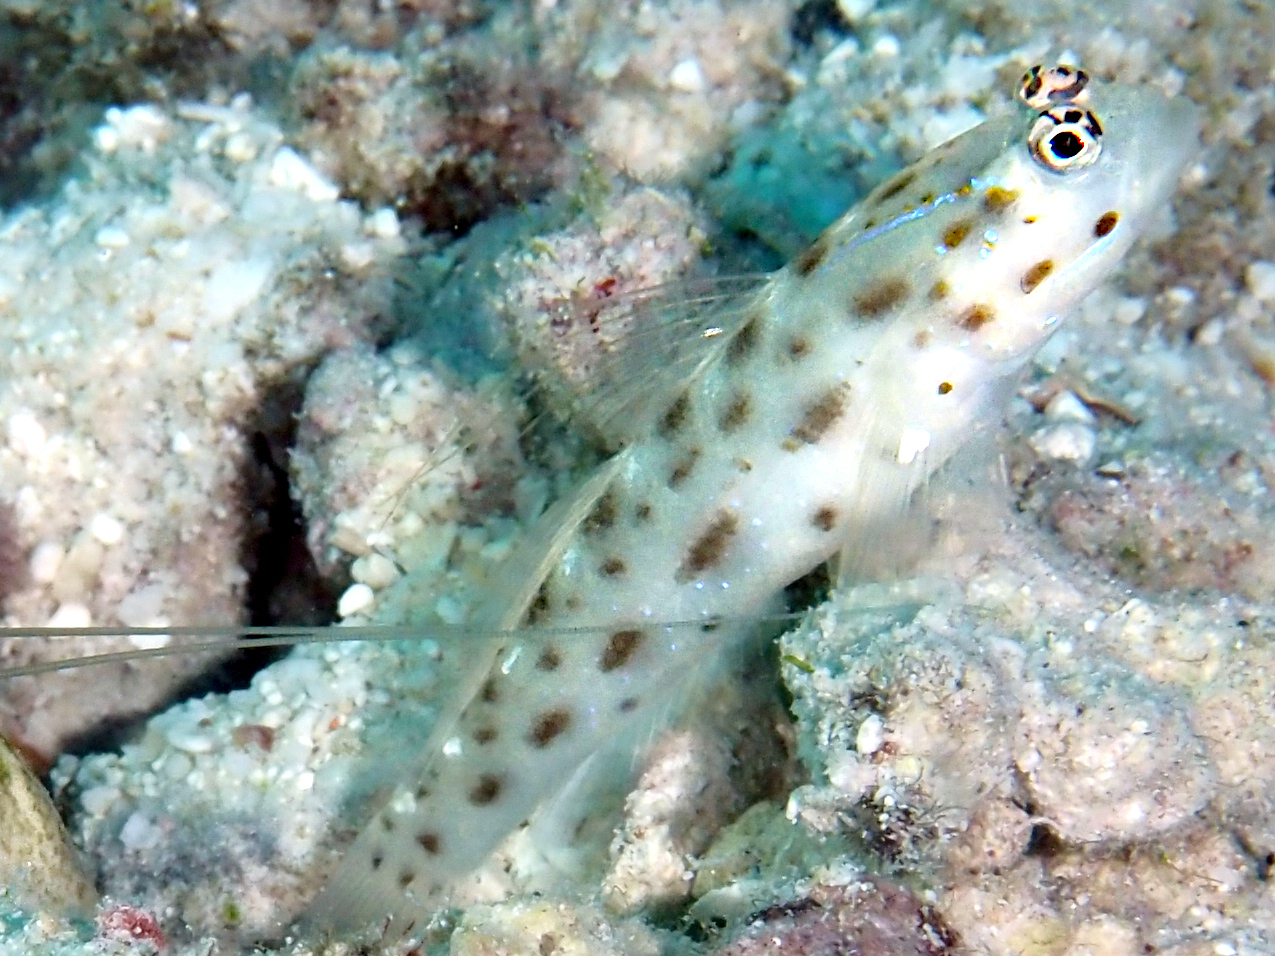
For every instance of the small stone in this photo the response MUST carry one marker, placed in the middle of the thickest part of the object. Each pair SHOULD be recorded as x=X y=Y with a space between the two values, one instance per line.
x=1260 y=279
x=71 y=615
x=27 y=436
x=290 y=171
x=1069 y=441
x=45 y=561
x=106 y=529
x=1066 y=407
x=375 y=570
x=357 y=598
x=871 y=735
x=687 y=77
x=111 y=237
x=190 y=740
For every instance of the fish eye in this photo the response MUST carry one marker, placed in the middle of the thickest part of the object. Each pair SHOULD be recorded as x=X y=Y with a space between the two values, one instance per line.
x=1061 y=84
x=1065 y=138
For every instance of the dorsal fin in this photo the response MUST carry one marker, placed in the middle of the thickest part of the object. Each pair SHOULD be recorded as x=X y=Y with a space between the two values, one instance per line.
x=661 y=338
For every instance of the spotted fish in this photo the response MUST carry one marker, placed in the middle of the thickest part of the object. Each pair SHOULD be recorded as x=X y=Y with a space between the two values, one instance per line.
x=801 y=413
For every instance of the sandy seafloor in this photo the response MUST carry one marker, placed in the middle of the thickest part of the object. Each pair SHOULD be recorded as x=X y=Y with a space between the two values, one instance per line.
x=242 y=283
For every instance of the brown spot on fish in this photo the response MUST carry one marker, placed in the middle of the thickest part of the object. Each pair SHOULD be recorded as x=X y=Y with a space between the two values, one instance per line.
x=798 y=347
x=825 y=519
x=620 y=647
x=484 y=735
x=745 y=341
x=603 y=514
x=922 y=338
x=945 y=388
x=486 y=790
x=430 y=842
x=997 y=199
x=957 y=232
x=377 y=859
x=736 y=414
x=548 y=726
x=1036 y=275
x=976 y=316
x=892 y=187
x=387 y=824
x=539 y=607
x=1106 y=223
x=1030 y=220
x=880 y=297
x=613 y=567
x=812 y=258
x=627 y=705
x=489 y=693
x=819 y=417
x=682 y=470
x=642 y=512
x=550 y=659
x=709 y=548
x=938 y=291
x=676 y=416
x=574 y=602
x=744 y=465
x=405 y=878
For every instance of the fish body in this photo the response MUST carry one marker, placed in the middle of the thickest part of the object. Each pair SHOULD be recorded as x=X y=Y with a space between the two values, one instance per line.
x=814 y=408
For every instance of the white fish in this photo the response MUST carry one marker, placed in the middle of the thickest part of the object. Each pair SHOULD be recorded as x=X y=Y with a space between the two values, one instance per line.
x=764 y=433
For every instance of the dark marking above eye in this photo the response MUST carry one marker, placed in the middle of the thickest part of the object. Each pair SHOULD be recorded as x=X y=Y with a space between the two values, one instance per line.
x=745 y=341
x=880 y=297
x=976 y=316
x=892 y=187
x=548 y=726
x=550 y=659
x=613 y=567
x=812 y=258
x=628 y=704
x=997 y=198
x=798 y=347
x=485 y=791
x=387 y=824
x=736 y=414
x=825 y=519
x=603 y=514
x=819 y=417
x=377 y=859
x=642 y=512
x=620 y=647
x=957 y=232
x=484 y=735
x=430 y=842
x=489 y=693
x=682 y=470
x=1037 y=274
x=676 y=416
x=709 y=548
x=1106 y=223
x=945 y=388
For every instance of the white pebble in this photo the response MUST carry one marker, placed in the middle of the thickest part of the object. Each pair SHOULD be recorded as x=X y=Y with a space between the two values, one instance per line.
x=111 y=237
x=190 y=740
x=1260 y=279
x=384 y=223
x=139 y=833
x=1069 y=441
x=106 y=529
x=95 y=801
x=357 y=597
x=45 y=561
x=375 y=570
x=687 y=77
x=181 y=444
x=855 y=10
x=71 y=614
x=886 y=46
x=1066 y=407
x=26 y=435
x=290 y=171
x=177 y=766
x=871 y=735
x=1130 y=309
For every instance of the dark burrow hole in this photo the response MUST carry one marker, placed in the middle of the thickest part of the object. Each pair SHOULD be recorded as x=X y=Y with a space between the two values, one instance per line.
x=284 y=586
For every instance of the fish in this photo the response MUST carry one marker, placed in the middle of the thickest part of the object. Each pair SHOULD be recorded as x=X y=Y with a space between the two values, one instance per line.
x=760 y=430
